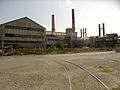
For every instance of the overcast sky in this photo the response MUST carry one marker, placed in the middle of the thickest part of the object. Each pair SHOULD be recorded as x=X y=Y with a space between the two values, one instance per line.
x=88 y=13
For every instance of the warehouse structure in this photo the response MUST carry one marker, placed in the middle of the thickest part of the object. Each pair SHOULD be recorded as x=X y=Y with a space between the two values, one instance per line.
x=23 y=32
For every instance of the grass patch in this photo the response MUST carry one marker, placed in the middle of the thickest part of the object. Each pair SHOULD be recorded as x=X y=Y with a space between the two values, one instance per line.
x=104 y=69
x=107 y=70
x=101 y=67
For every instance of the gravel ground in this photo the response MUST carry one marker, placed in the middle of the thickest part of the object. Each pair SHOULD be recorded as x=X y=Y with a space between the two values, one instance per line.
x=43 y=73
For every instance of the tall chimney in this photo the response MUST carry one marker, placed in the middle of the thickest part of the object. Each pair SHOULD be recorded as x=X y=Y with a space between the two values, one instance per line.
x=103 y=30
x=53 y=24
x=85 y=32
x=73 y=19
x=81 y=32
x=99 y=30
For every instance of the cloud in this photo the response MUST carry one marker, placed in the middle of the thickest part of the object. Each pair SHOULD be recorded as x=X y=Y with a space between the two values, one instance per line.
x=68 y=2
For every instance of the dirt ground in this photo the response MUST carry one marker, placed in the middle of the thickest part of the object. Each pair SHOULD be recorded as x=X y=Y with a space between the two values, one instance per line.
x=36 y=72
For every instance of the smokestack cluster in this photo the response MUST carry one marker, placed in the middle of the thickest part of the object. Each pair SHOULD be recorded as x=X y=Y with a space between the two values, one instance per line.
x=83 y=32
x=53 y=24
x=73 y=19
x=101 y=28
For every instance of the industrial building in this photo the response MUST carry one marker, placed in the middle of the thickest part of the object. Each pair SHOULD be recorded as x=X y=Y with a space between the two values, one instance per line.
x=102 y=40
x=23 y=32
x=26 y=33
x=53 y=37
x=70 y=32
x=108 y=40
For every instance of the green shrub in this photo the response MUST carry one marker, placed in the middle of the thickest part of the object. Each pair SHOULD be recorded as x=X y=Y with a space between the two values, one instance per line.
x=53 y=48
x=61 y=45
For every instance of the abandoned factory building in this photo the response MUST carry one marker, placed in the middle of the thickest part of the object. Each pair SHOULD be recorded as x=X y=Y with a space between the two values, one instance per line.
x=24 y=32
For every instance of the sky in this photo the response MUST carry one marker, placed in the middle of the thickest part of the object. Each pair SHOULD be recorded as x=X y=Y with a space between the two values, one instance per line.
x=88 y=13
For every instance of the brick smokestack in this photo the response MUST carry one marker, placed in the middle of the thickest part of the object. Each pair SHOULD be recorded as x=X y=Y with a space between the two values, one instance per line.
x=103 y=30
x=53 y=23
x=99 y=30
x=73 y=19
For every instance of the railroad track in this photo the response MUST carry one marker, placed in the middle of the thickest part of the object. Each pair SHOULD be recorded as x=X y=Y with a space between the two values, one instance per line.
x=80 y=67
x=68 y=75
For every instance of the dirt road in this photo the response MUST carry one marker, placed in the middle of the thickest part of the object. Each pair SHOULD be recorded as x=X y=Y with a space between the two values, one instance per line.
x=54 y=72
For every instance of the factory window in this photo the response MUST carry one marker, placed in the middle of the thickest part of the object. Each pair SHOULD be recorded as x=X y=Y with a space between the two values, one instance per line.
x=23 y=28
x=9 y=35
x=23 y=36
x=0 y=37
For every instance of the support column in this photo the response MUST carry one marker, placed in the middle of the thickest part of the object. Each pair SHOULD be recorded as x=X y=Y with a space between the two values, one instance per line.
x=3 y=35
x=2 y=44
x=45 y=39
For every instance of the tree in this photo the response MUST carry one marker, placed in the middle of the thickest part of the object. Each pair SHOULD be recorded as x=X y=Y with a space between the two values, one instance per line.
x=61 y=45
x=78 y=43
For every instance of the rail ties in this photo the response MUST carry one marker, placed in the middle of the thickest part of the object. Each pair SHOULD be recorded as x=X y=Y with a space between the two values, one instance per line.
x=106 y=87
x=68 y=75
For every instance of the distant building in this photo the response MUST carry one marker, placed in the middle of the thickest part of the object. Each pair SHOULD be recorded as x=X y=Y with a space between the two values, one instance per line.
x=60 y=35
x=24 y=32
x=70 y=33
x=109 y=40
x=53 y=39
